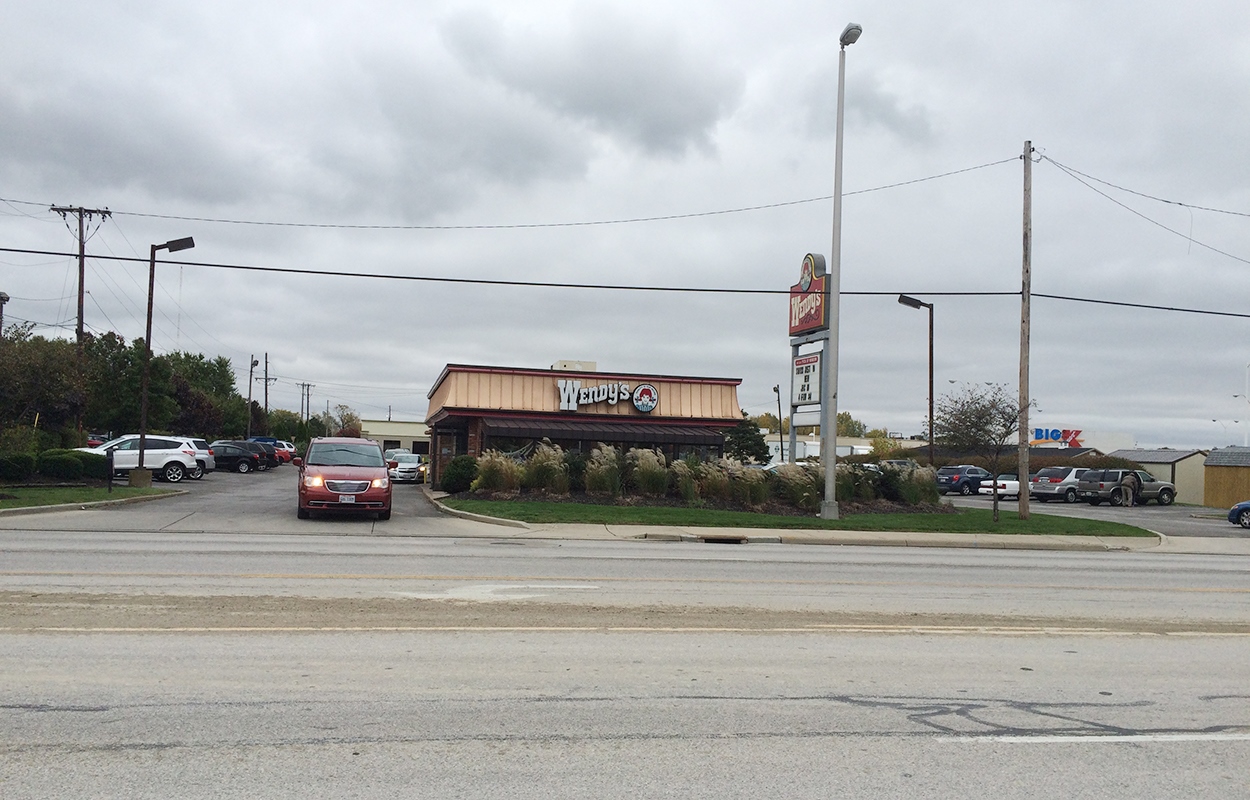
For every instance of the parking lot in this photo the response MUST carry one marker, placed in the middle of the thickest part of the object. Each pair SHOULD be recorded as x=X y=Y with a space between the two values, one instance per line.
x=1175 y=520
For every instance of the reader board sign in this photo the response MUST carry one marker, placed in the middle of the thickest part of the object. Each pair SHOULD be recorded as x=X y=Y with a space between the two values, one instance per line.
x=805 y=381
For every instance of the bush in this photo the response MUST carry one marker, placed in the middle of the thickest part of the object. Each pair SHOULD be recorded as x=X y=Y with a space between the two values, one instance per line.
x=61 y=466
x=603 y=471
x=497 y=472
x=748 y=486
x=94 y=465
x=648 y=474
x=801 y=485
x=547 y=470
x=713 y=478
x=17 y=466
x=575 y=469
x=459 y=474
x=686 y=480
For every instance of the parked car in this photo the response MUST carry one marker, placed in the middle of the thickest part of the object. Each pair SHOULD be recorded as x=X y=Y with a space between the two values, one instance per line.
x=170 y=459
x=1098 y=485
x=1240 y=514
x=231 y=456
x=394 y=451
x=1008 y=485
x=963 y=479
x=343 y=474
x=407 y=468
x=268 y=456
x=204 y=460
x=1056 y=483
x=285 y=451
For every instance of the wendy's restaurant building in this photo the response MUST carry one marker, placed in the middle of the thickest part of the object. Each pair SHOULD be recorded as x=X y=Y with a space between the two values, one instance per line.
x=478 y=408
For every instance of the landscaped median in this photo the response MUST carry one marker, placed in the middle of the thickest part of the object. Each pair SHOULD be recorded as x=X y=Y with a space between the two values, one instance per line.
x=30 y=497
x=962 y=521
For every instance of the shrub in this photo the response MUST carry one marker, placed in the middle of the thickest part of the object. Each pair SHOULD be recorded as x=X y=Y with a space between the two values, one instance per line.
x=459 y=475
x=575 y=469
x=801 y=485
x=547 y=470
x=94 y=465
x=497 y=472
x=713 y=477
x=648 y=474
x=60 y=466
x=603 y=471
x=17 y=466
x=686 y=480
x=749 y=486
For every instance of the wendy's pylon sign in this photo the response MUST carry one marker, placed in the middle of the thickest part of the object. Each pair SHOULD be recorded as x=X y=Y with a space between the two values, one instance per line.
x=809 y=309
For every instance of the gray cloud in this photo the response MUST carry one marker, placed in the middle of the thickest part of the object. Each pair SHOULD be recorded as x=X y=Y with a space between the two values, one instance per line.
x=645 y=86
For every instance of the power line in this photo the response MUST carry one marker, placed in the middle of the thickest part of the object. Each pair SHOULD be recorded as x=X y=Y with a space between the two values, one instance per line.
x=1075 y=176
x=1066 y=168
x=528 y=225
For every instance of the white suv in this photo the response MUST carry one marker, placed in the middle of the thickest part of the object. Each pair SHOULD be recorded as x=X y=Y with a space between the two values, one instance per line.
x=170 y=458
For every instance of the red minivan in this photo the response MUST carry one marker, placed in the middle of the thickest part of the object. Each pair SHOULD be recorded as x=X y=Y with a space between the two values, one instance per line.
x=343 y=475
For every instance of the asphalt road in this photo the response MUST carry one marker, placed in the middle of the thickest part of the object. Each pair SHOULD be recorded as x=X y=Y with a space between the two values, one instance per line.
x=213 y=645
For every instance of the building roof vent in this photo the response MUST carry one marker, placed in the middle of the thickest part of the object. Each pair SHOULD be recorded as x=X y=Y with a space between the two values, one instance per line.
x=565 y=365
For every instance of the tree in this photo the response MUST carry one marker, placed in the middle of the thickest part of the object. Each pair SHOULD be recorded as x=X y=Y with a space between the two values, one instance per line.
x=768 y=421
x=849 y=426
x=39 y=385
x=745 y=442
x=344 y=421
x=978 y=419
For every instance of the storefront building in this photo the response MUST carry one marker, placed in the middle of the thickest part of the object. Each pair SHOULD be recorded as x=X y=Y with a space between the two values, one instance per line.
x=477 y=408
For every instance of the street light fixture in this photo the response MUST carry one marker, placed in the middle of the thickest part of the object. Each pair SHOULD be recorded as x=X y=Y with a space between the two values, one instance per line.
x=829 y=438
x=912 y=302
x=173 y=246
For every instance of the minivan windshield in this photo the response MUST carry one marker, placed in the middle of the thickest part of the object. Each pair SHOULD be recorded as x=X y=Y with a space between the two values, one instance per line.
x=345 y=455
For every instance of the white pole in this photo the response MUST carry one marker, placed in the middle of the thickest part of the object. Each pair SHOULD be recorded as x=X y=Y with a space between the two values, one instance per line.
x=829 y=438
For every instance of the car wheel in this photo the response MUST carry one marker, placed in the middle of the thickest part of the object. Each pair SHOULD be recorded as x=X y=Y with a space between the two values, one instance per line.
x=1166 y=497
x=243 y=466
x=196 y=472
x=302 y=512
x=1243 y=519
x=1117 y=498
x=1070 y=495
x=384 y=514
x=966 y=489
x=174 y=472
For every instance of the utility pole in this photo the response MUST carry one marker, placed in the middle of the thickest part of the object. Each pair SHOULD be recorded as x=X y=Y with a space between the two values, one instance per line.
x=1026 y=284
x=81 y=213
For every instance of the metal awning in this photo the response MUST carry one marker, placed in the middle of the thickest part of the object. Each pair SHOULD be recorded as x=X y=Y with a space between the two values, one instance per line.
x=600 y=431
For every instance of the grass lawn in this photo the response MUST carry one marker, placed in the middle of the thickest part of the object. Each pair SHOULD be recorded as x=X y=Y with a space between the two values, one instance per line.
x=973 y=520
x=27 y=496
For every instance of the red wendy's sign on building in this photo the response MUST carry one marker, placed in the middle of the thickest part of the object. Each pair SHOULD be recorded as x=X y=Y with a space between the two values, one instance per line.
x=809 y=309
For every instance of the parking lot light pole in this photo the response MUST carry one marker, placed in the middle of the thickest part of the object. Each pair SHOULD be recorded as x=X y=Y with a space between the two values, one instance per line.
x=4 y=298
x=912 y=302
x=172 y=246
x=829 y=438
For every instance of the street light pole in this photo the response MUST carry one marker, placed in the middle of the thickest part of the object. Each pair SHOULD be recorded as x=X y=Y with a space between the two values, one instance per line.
x=912 y=302
x=173 y=246
x=4 y=298
x=781 y=442
x=829 y=439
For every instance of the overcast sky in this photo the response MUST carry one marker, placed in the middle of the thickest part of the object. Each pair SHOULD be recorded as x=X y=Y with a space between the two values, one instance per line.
x=451 y=121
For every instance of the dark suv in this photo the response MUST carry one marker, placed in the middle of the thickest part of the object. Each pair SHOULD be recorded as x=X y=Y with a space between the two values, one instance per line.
x=1097 y=485
x=964 y=479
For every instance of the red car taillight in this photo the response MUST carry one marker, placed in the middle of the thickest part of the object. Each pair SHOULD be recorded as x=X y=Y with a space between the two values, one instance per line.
x=1056 y=480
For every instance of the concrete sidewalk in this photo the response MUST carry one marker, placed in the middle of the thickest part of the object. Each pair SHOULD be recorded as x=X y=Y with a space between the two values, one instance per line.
x=1156 y=543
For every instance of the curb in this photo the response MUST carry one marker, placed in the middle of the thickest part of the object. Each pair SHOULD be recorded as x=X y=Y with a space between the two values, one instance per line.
x=454 y=512
x=4 y=512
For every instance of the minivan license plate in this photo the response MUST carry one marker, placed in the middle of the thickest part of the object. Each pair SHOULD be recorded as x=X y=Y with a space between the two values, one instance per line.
x=347 y=498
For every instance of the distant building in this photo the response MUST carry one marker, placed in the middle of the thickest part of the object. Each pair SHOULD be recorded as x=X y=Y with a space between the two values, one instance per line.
x=1227 y=473
x=411 y=436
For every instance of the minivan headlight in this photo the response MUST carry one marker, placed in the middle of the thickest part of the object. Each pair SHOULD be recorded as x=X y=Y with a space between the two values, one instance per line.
x=380 y=483
x=313 y=480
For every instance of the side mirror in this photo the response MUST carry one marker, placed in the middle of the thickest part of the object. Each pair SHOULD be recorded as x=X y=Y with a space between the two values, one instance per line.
x=297 y=461
x=393 y=464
